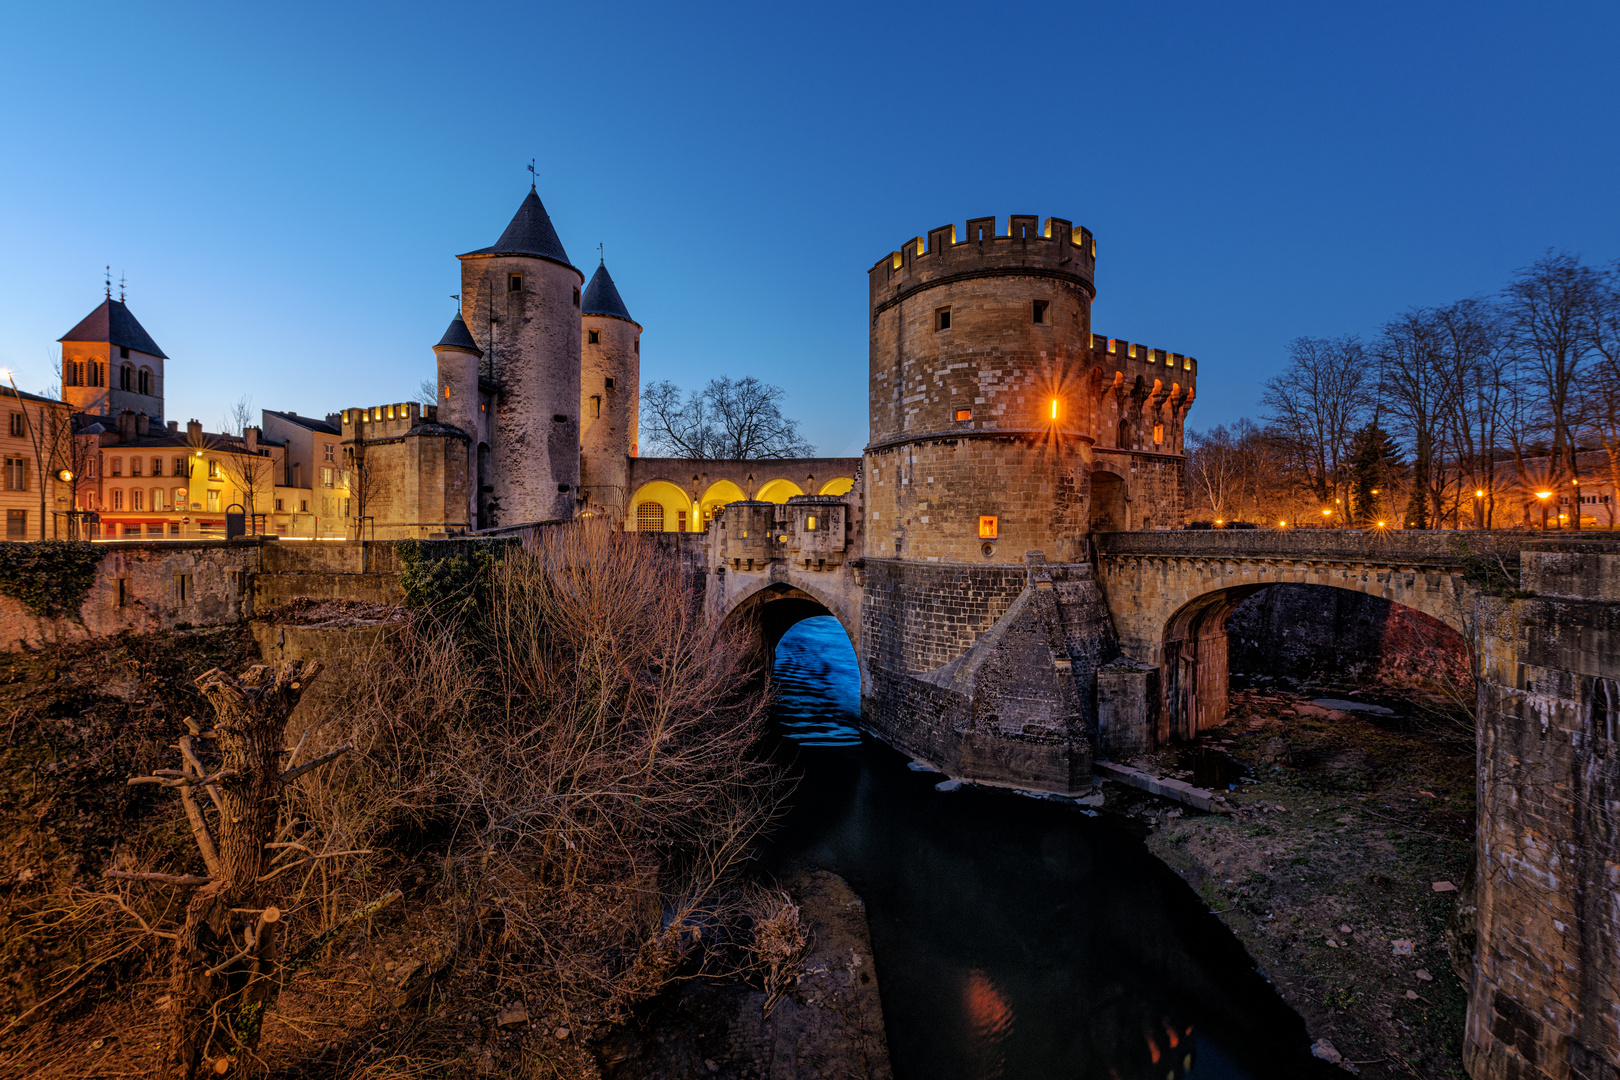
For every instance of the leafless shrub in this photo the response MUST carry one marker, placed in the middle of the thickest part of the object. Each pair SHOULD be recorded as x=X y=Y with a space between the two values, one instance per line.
x=779 y=942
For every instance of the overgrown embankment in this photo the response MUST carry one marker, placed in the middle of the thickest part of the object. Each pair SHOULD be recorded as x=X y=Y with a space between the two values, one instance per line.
x=1328 y=869
x=554 y=775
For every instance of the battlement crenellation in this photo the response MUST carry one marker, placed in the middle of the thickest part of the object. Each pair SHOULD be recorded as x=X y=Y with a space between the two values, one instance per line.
x=1055 y=247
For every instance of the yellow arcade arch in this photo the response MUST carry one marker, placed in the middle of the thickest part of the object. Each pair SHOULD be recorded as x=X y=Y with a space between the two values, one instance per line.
x=837 y=486
x=660 y=506
x=779 y=491
x=719 y=494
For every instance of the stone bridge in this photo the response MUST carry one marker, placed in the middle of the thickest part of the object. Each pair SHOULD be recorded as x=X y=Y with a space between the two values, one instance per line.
x=1170 y=593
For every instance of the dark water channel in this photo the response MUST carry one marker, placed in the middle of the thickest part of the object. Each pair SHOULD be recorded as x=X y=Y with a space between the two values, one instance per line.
x=1015 y=937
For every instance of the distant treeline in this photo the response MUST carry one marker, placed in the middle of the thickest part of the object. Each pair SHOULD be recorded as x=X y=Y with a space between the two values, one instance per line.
x=1447 y=417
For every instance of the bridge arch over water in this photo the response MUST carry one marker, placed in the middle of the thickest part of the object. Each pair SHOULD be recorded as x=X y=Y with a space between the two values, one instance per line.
x=1171 y=593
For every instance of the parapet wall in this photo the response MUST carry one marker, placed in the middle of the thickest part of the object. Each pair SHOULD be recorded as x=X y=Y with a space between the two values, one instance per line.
x=1055 y=248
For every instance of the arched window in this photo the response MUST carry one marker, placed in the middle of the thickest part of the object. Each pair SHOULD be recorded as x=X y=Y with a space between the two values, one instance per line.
x=649 y=517
x=126 y=376
x=135 y=499
x=145 y=382
x=117 y=498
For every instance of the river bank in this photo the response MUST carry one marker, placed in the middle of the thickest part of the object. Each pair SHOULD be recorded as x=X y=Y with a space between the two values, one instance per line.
x=1340 y=867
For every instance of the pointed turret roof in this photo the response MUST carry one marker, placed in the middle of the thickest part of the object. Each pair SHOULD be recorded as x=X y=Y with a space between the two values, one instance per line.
x=113 y=323
x=530 y=233
x=459 y=337
x=602 y=296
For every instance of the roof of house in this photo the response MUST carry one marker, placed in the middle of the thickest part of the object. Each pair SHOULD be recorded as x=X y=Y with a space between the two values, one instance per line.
x=113 y=323
x=530 y=233
x=602 y=296
x=305 y=422
x=458 y=336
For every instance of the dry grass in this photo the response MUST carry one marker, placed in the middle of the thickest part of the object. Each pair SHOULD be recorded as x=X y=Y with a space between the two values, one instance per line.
x=565 y=792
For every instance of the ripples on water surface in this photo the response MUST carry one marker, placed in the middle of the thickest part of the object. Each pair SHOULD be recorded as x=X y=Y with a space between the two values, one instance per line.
x=1013 y=937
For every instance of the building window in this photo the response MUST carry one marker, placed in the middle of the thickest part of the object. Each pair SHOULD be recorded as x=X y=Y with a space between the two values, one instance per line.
x=117 y=466
x=144 y=382
x=328 y=447
x=174 y=529
x=942 y=319
x=596 y=406
x=213 y=499
x=73 y=372
x=213 y=469
x=16 y=474
x=303 y=506
x=134 y=466
x=610 y=382
x=650 y=517
x=182 y=587
x=987 y=528
x=19 y=425
x=1040 y=312
x=157 y=499
x=135 y=499
x=179 y=466
x=964 y=414
x=593 y=337
x=638 y=346
x=123 y=352
x=118 y=498
x=126 y=377
x=810 y=523
x=514 y=282
x=16 y=524
x=680 y=521
x=90 y=469
x=98 y=374
x=326 y=476
x=576 y=298
x=279 y=507
x=157 y=466
x=1158 y=433
x=181 y=497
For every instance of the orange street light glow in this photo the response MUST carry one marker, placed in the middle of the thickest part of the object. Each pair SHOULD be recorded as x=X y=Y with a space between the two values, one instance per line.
x=1479 y=494
x=1054 y=408
x=1543 y=494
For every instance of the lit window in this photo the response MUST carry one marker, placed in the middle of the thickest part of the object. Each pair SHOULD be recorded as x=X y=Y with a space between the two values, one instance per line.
x=810 y=522
x=964 y=414
x=135 y=499
x=213 y=468
x=987 y=528
x=213 y=499
x=650 y=517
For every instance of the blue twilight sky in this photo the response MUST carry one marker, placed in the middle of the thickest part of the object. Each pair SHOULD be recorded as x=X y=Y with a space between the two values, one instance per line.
x=286 y=185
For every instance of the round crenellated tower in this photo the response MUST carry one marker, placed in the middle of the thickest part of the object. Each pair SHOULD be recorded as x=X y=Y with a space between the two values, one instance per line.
x=521 y=303
x=982 y=414
x=610 y=397
x=458 y=357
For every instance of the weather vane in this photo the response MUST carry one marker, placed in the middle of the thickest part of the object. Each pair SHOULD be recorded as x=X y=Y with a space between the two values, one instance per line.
x=457 y=298
x=107 y=280
x=120 y=286
x=601 y=256
x=533 y=176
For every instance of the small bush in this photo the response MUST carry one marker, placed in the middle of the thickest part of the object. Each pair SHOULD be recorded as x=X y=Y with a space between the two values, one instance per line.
x=50 y=577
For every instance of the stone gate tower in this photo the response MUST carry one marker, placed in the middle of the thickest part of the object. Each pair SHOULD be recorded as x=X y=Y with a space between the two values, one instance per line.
x=521 y=301
x=610 y=398
x=982 y=412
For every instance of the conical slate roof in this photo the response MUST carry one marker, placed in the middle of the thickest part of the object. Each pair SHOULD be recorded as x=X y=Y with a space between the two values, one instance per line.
x=530 y=233
x=112 y=323
x=602 y=296
x=458 y=337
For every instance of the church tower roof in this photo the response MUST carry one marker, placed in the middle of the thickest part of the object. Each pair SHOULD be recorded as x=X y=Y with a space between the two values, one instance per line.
x=113 y=323
x=602 y=296
x=530 y=233
x=459 y=337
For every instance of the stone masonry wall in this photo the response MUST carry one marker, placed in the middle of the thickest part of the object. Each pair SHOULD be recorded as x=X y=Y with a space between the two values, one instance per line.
x=1545 y=1002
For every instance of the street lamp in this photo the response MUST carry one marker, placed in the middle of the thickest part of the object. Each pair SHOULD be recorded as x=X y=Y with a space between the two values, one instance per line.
x=1325 y=515
x=1543 y=496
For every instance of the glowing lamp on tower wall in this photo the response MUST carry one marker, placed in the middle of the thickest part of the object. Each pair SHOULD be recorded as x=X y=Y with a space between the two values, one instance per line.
x=987 y=528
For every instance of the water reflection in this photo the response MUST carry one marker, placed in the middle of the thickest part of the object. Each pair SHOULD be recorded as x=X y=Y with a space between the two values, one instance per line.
x=1013 y=937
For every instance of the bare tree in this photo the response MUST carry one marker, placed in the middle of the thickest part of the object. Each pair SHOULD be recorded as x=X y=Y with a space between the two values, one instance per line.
x=1600 y=391
x=736 y=419
x=427 y=392
x=1548 y=307
x=1417 y=391
x=250 y=469
x=1316 y=406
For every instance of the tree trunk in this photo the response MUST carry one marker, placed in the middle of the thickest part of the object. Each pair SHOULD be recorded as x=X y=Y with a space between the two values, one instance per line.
x=224 y=973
